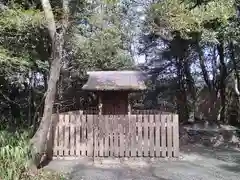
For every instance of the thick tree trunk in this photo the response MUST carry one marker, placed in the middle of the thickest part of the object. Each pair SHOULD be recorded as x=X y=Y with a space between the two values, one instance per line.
x=190 y=87
x=31 y=107
x=183 y=109
x=39 y=140
x=222 y=84
x=203 y=68
x=236 y=75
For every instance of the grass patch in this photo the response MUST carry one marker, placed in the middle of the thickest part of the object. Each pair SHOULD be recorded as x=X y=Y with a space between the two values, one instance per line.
x=14 y=158
x=44 y=175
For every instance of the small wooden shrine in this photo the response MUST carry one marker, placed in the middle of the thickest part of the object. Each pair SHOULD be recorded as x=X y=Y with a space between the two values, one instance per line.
x=113 y=88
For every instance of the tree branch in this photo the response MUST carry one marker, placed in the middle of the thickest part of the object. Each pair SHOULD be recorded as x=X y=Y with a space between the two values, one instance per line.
x=49 y=18
x=236 y=87
x=65 y=14
x=236 y=78
x=7 y=98
x=203 y=67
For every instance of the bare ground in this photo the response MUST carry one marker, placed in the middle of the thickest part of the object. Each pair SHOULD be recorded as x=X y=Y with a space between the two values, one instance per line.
x=198 y=161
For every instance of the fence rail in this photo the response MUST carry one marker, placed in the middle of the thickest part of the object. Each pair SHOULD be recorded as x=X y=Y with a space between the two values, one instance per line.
x=76 y=134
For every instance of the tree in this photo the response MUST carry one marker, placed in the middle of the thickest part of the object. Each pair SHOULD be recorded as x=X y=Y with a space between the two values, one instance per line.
x=91 y=47
x=57 y=34
x=199 y=27
x=103 y=49
x=26 y=52
x=22 y=55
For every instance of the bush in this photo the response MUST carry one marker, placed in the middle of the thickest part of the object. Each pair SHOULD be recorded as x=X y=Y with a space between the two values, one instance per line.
x=14 y=157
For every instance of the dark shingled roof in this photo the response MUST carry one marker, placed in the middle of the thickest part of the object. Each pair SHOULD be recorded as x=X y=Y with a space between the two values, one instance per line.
x=115 y=80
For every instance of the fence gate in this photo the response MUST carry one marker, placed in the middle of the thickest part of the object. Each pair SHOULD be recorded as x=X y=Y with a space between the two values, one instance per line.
x=75 y=134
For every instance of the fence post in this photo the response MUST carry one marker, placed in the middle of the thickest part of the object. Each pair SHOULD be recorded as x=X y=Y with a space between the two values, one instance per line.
x=175 y=135
x=165 y=130
x=51 y=137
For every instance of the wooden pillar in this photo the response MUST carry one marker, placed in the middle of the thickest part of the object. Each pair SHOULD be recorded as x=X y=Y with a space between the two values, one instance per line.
x=100 y=104
x=96 y=125
x=129 y=108
x=129 y=105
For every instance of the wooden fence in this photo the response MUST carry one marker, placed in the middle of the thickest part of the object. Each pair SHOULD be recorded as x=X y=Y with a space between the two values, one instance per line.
x=75 y=134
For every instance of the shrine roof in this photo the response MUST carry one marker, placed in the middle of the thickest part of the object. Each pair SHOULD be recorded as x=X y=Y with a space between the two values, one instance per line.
x=115 y=81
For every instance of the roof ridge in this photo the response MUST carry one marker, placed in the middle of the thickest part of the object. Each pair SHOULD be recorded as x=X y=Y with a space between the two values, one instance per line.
x=122 y=72
x=115 y=80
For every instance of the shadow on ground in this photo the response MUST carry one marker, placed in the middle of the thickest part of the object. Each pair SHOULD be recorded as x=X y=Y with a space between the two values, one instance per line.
x=230 y=156
x=191 y=166
x=197 y=162
x=112 y=173
x=80 y=170
x=235 y=168
x=223 y=154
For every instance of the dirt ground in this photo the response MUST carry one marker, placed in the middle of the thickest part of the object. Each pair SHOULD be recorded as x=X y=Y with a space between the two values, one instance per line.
x=198 y=161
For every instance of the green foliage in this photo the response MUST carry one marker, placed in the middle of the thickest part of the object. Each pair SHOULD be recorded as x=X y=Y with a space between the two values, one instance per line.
x=104 y=51
x=20 y=20
x=19 y=38
x=14 y=157
x=111 y=1
x=7 y=60
x=209 y=18
x=100 y=44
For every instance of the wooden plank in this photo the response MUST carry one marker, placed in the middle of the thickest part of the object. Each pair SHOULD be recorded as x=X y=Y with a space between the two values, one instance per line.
x=66 y=138
x=163 y=135
x=133 y=136
x=101 y=135
x=72 y=134
x=121 y=134
x=61 y=135
x=145 y=145
x=111 y=118
x=127 y=135
x=78 y=135
x=157 y=134
x=56 y=141
x=96 y=133
x=140 y=139
x=115 y=129
x=175 y=135
x=83 y=135
x=151 y=137
x=48 y=147
x=169 y=135
x=55 y=138
x=90 y=118
x=106 y=143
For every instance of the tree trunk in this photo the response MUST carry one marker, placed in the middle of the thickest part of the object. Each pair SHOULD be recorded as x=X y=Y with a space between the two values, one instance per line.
x=39 y=140
x=190 y=87
x=31 y=106
x=222 y=85
x=182 y=104
x=203 y=68
x=236 y=76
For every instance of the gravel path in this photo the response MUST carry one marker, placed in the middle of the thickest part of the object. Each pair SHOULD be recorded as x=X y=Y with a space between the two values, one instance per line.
x=209 y=164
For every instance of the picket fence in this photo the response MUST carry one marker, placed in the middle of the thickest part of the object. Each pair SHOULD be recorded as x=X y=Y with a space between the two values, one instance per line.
x=75 y=134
